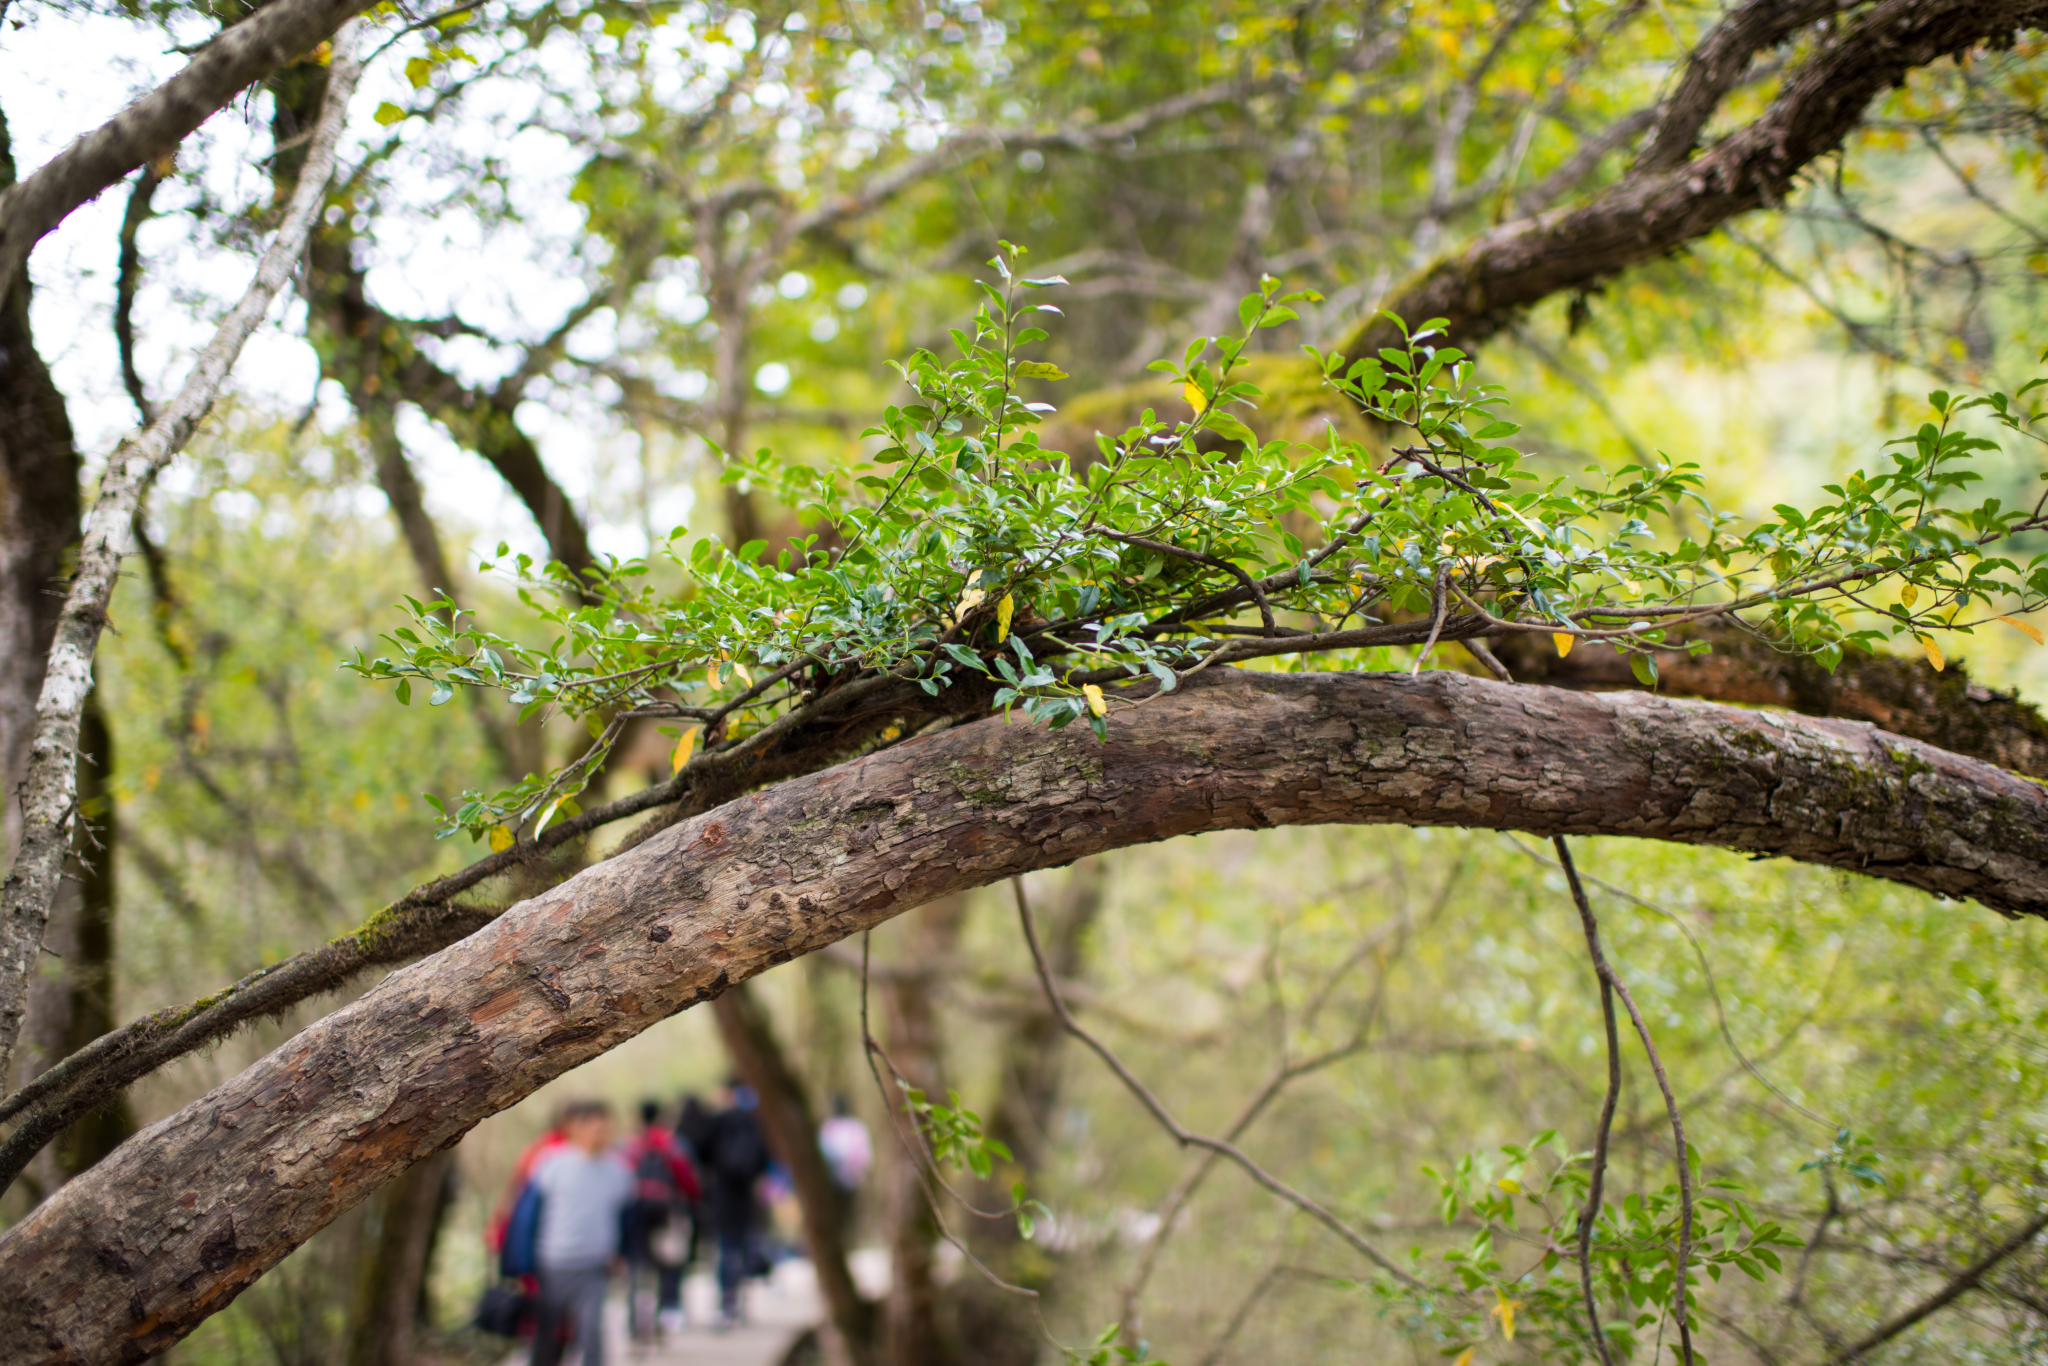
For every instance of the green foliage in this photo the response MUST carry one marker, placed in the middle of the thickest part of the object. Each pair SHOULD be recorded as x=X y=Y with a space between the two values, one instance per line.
x=1106 y=1351
x=1853 y=1154
x=1634 y=1246
x=955 y=1133
x=968 y=549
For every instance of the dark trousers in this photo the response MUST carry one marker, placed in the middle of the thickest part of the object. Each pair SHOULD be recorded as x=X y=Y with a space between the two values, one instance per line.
x=734 y=1247
x=573 y=1295
x=668 y=1290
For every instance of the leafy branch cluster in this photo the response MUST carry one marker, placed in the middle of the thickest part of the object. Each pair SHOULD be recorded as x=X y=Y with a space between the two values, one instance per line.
x=961 y=549
x=1533 y=1205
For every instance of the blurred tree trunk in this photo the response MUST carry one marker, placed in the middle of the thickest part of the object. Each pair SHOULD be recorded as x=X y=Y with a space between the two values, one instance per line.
x=1000 y=1322
x=913 y=1330
x=39 y=516
x=790 y=1123
x=406 y=1216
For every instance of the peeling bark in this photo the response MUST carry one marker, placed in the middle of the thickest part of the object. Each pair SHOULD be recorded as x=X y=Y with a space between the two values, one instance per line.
x=128 y=1258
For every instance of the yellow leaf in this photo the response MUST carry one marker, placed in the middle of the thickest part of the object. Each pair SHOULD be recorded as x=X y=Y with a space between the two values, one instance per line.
x=1007 y=608
x=685 y=747
x=1197 y=400
x=1933 y=653
x=969 y=600
x=711 y=673
x=1505 y=1311
x=501 y=838
x=746 y=677
x=1510 y=1185
x=1564 y=642
x=2032 y=632
x=1908 y=594
x=1465 y=1357
x=548 y=815
x=1095 y=701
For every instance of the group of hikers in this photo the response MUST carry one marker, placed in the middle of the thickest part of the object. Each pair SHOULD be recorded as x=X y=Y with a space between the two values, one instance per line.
x=582 y=1204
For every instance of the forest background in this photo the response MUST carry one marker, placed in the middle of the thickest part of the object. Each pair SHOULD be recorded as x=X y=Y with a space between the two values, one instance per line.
x=579 y=250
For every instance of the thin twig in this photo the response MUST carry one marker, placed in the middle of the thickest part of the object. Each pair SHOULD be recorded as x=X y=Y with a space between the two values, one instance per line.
x=920 y=1156
x=1436 y=625
x=1609 y=977
x=1713 y=983
x=1963 y=1281
x=1597 y=1175
x=50 y=795
x=1185 y=1137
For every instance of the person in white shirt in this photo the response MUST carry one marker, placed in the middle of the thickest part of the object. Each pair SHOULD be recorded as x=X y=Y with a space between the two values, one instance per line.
x=584 y=1190
x=849 y=1152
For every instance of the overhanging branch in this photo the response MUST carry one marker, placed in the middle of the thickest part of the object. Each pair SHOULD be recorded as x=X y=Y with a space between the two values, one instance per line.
x=1669 y=202
x=129 y=1257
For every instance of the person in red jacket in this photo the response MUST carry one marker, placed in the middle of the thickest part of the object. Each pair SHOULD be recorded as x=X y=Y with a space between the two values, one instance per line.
x=657 y=1231
x=522 y=1172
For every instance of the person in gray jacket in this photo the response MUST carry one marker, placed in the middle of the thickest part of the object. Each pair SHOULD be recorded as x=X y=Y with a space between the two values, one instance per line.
x=584 y=1189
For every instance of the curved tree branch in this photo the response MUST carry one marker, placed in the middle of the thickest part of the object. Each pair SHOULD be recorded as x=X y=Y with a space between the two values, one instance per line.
x=155 y=124
x=127 y=1258
x=1715 y=67
x=1904 y=696
x=1657 y=209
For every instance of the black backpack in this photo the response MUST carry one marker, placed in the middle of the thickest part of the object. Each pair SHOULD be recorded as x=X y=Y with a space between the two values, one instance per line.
x=738 y=1152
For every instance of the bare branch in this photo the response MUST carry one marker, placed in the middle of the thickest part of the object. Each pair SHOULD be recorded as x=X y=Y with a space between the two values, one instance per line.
x=178 y=1221
x=1611 y=986
x=1597 y=1172
x=129 y=278
x=1717 y=65
x=154 y=125
x=1481 y=287
x=48 y=806
x=1965 y=1280
x=1187 y=1138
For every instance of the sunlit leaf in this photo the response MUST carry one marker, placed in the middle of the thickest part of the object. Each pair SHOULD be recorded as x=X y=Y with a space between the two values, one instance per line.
x=2027 y=629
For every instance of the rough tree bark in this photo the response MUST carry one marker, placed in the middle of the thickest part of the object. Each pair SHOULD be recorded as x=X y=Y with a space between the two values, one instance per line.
x=129 y=1257
x=1668 y=201
x=1904 y=696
